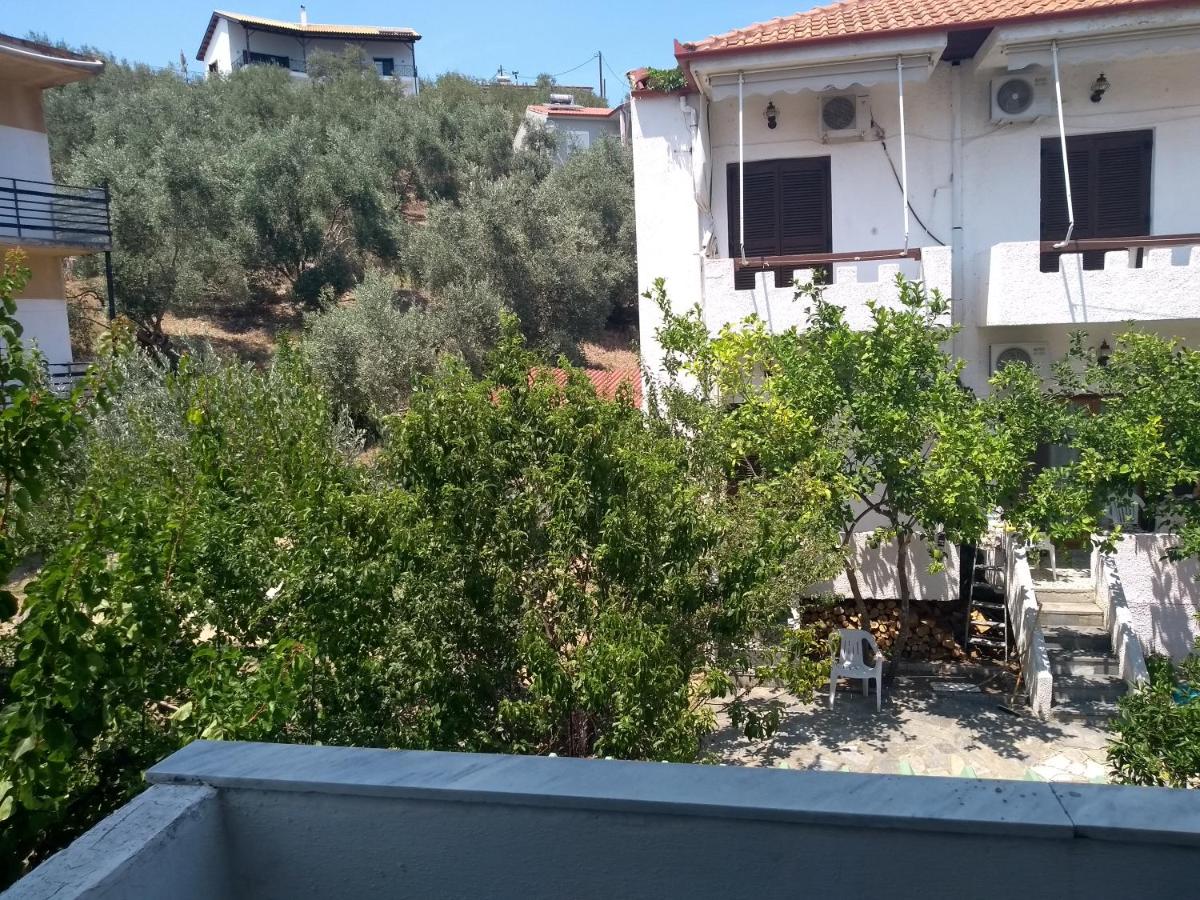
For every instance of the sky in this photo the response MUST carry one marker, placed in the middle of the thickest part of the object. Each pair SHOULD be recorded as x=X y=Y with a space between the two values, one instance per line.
x=470 y=36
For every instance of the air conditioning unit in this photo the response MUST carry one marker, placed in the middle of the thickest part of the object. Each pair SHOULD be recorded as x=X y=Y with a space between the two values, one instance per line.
x=1032 y=355
x=1022 y=96
x=845 y=117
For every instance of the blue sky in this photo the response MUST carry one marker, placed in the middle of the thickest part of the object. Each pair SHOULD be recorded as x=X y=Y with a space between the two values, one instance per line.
x=471 y=36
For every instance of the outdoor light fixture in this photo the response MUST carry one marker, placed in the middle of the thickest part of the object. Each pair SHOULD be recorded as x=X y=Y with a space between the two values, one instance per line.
x=1105 y=353
x=771 y=114
x=1099 y=87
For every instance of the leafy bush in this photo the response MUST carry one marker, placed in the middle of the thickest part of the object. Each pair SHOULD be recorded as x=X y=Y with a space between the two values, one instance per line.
x=529 y=569
x=369 y=353
x=1158 y=728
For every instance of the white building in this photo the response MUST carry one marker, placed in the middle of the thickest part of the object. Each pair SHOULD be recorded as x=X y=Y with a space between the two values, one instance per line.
x=575 y=127
x=233 y=40
x=807 y=111
x=48 y=222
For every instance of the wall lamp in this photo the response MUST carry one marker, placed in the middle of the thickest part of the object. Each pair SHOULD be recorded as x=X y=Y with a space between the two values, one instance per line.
x=1099 y=87
x=1105 y=353
x=771 y=114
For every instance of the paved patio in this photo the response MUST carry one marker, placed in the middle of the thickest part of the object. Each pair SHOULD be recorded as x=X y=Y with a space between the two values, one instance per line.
x=921 y=732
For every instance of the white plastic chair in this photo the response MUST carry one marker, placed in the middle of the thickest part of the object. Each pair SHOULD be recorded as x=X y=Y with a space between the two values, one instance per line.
x=1048 y=547
x=849 y=661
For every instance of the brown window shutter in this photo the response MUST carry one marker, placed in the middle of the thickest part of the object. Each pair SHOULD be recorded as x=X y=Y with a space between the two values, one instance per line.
x=1110 y=184
x=787 y=211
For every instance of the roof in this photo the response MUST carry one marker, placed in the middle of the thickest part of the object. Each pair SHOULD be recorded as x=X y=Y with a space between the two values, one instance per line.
x=310 y=30
x=583 y=112
x=36 y=64
x=605 y=381
x=852 y=19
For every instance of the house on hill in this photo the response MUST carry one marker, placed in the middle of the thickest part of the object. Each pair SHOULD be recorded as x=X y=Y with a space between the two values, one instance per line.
x=46 y=220
x=233 y=40
x=574 y=127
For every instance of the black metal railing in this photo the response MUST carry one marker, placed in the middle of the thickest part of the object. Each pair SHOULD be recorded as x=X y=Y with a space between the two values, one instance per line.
x=62 y=377
x=54 y=213
x=300 y=66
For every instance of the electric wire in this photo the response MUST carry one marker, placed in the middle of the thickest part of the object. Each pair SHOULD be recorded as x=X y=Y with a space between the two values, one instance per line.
x=587 y=61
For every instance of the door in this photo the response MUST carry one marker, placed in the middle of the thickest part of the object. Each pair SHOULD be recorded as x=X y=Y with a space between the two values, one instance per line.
x=787 y=210
x=1110 y=189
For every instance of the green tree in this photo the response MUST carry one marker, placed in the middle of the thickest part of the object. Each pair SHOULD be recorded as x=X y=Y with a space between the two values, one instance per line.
x=878 y=415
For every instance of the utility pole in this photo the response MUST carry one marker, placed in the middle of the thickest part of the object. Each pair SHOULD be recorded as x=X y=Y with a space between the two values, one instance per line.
x=600 y=66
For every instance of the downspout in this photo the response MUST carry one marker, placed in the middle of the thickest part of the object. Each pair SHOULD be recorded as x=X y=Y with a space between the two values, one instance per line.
x=741 y=170
x=957 y=287
x=903 y=148
x=1062 y=138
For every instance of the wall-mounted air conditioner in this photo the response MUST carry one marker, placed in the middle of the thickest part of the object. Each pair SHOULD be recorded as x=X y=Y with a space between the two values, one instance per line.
x=1022 y=96
x=845 y=117
x=1032 y=355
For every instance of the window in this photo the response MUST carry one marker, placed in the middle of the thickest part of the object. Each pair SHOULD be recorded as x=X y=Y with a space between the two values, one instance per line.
x=386 y=67
x=1110 y=189
x=787 y=211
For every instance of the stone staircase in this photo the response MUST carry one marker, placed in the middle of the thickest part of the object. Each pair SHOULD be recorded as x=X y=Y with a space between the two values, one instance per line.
x=1087 y=681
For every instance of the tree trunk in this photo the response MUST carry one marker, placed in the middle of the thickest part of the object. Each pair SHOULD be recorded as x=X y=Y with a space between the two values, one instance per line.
x=905 y=596
x=864 y=617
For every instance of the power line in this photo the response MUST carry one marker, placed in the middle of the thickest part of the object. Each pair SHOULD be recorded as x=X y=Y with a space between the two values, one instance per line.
x=575 y=68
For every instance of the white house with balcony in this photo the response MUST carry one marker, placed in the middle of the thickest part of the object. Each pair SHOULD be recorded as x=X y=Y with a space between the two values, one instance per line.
x=233 y=40
x=931 y=138
x=45 y=220
x=1035 y=162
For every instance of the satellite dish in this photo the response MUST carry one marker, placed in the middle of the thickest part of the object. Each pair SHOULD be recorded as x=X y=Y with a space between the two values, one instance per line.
x=1015 y=96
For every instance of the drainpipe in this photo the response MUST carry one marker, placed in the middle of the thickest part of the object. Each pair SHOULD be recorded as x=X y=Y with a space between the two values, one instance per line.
x=957 y=286
x=1062 y=138
x=903 y=148
x=741 y=170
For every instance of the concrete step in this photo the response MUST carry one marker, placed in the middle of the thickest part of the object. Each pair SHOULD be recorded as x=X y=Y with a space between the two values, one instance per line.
x=1064 y=637
x=1083 y=662
x=1096 y=713
x=1083 y=688
x=1070 y=619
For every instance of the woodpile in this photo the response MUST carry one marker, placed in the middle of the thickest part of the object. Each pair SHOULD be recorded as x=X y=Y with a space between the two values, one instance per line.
x=936 y=630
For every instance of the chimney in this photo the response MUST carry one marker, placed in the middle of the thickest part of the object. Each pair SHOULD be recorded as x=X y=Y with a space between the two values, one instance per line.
x=304 y=15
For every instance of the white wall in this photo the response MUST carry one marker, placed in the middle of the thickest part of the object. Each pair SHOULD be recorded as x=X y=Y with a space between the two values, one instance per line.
x=24 y=154
x=577 y=133
x=45 y=324
x=1163 y=596
x=665 y=210
x=877 y=573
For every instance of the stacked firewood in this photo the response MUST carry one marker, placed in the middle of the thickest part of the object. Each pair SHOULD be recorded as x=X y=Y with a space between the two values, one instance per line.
x=936 y=630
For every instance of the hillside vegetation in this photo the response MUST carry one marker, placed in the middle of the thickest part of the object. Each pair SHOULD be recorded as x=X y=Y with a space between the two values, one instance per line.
x=237 y=192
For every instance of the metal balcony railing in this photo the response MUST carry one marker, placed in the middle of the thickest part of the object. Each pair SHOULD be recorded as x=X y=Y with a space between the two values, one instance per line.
x=48 y=213
x=299 y=66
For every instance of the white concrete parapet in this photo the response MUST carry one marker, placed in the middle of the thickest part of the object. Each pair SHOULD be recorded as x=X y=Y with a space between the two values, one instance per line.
x=854 y=283
x=294 y=821
x=1027 y=633
x=1166 y=286
x=1119 y=620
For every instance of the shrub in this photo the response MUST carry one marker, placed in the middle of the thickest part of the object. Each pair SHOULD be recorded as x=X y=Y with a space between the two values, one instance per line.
x=1158 y=728
x=368 y=353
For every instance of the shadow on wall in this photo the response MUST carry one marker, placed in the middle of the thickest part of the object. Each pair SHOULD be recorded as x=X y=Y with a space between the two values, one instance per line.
x=1163 y=596
x=877 y=573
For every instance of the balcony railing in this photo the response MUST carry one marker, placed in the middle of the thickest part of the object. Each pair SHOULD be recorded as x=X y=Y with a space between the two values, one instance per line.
x=852 y=278
x=1096 y=280
x=300 y=66
x=46 y=213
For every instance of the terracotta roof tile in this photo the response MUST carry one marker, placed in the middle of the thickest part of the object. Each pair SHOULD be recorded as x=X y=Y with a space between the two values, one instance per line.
x=858 y=18
x=586 y=112
x=606 y=381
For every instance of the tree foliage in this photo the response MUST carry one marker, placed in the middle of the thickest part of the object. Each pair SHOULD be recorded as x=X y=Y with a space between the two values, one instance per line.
x=527 y=568
x=234 y=186
x=878 y=415
x=1157 y=731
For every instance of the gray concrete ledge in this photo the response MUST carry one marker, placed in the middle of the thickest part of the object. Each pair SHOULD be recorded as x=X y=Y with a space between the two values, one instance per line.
x=950 y=805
